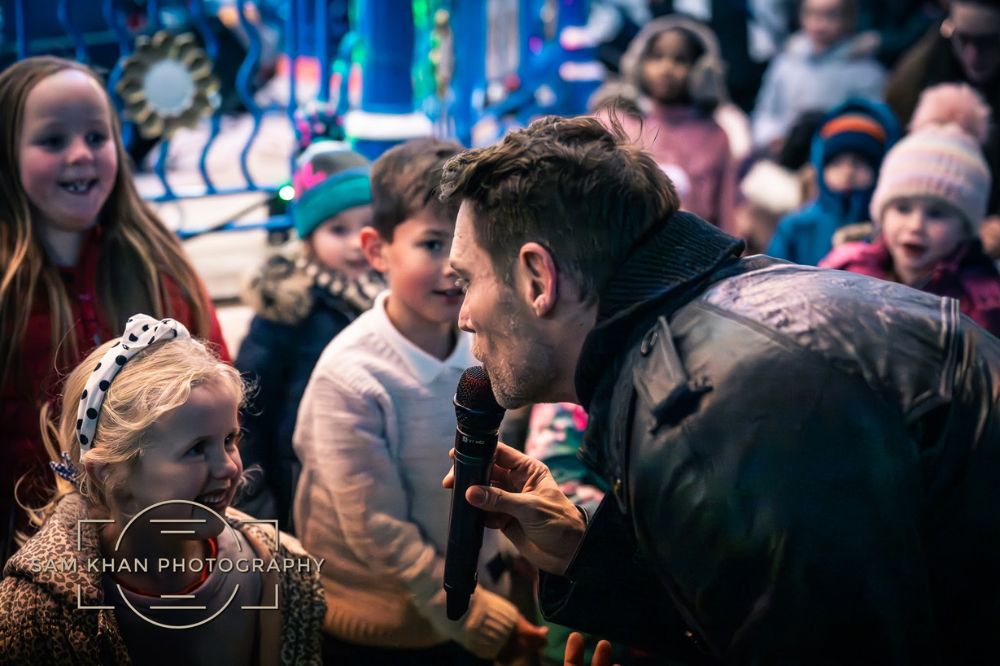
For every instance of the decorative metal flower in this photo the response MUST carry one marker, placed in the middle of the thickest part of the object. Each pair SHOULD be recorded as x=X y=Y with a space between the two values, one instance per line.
x=166 y=84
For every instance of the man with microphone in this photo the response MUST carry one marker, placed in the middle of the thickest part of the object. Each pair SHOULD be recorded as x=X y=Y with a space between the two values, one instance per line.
x=804 y=464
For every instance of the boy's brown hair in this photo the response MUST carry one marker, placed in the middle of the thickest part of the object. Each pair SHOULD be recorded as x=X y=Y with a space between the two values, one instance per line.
x=583 y=191
x=406 y=180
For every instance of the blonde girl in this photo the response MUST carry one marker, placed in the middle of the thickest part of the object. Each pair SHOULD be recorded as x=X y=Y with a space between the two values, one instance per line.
x=149 y=433
x=79 y=252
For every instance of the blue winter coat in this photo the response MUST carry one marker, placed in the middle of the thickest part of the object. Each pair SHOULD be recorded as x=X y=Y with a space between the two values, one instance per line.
x=300 y=308
x=805 y=236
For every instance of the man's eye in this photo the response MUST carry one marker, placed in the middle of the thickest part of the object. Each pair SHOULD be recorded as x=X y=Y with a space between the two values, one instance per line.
x=462 y=284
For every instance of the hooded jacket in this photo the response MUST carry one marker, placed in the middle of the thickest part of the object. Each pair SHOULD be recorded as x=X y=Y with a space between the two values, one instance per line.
x=803 y=463
x=686 y=141
x=300 y=306
x=806 y=235
x=41 y=620
x=801 y=79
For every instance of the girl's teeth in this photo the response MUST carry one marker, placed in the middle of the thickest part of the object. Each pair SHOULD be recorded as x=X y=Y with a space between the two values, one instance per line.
x=77 y=185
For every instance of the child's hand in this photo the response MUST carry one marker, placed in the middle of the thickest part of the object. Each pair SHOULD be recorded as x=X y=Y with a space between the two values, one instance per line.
x=575 y=649
x=526 y=640
x=989 y=232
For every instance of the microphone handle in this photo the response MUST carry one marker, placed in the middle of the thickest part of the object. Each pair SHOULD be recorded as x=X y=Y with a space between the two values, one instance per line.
x=473 y=466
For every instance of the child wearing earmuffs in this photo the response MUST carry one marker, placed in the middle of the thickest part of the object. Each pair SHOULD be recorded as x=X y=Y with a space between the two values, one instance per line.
x=674 y=63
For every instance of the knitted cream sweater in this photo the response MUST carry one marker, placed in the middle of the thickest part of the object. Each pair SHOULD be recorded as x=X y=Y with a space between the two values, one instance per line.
x=373 y=433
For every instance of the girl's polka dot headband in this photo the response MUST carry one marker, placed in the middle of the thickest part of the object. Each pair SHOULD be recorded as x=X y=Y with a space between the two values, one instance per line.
x=140 y=332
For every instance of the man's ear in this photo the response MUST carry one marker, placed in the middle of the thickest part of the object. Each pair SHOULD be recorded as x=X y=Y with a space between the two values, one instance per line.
x=539 y=279
x=372 y=244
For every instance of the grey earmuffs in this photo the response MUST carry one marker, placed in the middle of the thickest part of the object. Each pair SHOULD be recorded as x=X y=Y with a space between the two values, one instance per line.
x=707 y=80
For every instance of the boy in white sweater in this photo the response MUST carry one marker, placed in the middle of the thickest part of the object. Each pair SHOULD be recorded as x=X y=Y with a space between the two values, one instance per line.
x=373 y=433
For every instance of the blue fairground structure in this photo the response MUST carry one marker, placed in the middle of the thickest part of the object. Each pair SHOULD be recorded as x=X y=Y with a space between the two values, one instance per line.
x=372 y=72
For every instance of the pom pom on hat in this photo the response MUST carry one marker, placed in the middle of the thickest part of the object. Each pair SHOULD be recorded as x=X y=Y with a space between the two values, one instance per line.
x=953 y=103
x=941 y=162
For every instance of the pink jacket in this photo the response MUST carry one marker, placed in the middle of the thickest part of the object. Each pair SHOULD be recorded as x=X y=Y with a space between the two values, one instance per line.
x=694 y=151
x=968 y=276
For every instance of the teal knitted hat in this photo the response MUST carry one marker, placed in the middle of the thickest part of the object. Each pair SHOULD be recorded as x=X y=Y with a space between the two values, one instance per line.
x=330 y=178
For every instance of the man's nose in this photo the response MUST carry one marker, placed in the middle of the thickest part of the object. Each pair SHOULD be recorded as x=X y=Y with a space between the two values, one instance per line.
x=463 y=318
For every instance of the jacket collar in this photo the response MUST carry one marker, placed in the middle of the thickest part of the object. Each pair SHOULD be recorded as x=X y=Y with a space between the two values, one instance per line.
x=423 y=366
x=672 y=258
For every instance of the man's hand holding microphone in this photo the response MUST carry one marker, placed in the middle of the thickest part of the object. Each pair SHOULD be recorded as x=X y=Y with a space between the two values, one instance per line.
x=526 y=504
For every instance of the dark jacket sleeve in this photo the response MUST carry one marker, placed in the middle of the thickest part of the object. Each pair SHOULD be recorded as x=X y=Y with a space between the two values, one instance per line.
x=263 y=359
x=611 y=592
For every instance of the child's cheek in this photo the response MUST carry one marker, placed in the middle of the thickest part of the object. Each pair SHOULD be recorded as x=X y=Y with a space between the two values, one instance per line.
x=238 y=459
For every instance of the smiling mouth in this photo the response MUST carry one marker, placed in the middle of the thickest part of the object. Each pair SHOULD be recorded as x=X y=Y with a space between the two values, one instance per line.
x=449 y=293
x=212 y=499
x=82 y=186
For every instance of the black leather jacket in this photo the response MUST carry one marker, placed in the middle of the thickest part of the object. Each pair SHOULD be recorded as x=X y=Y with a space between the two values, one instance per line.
x=806 y=465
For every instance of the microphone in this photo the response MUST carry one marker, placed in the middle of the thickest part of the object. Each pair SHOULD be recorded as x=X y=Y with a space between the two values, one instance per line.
x=478 y=416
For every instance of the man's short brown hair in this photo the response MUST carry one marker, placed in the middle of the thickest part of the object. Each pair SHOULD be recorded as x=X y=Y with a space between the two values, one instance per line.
x=406 y=180
x=584 y=192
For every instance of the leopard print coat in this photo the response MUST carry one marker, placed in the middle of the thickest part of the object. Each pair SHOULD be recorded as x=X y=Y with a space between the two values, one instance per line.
x=39 y=617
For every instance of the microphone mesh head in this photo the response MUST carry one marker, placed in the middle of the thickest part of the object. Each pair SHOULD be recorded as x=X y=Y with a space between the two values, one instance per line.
x=474 y=400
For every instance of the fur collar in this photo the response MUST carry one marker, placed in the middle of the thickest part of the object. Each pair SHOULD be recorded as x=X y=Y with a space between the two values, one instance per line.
x=285 y=288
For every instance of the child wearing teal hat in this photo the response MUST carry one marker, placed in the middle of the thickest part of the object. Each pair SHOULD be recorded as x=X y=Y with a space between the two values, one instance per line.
x=302 y=300
x=333 y=197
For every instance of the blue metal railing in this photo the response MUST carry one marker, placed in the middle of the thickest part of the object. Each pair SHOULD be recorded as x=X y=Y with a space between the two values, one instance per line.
x=72 y=30
x=304 y=26
x=78 y=30
x=196 y=10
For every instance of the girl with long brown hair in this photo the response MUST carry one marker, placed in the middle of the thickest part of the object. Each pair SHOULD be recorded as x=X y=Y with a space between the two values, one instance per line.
x=79 y=252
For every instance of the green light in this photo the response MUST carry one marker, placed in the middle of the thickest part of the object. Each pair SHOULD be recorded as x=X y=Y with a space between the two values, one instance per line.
x=286 y=193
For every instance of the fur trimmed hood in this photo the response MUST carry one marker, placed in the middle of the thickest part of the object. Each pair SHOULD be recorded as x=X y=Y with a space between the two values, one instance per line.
x=285 y=288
